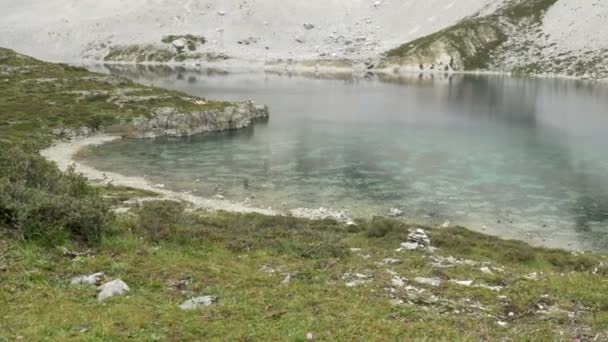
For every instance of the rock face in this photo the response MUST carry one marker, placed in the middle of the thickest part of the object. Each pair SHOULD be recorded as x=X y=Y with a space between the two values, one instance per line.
x=457 y=48
x=171 y=122
x=112 y=289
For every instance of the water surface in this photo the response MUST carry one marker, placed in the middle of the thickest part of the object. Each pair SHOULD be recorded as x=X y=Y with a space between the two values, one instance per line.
x=519 y=158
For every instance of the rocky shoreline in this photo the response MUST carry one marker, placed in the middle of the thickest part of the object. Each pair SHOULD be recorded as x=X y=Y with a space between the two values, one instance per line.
x=163 y=122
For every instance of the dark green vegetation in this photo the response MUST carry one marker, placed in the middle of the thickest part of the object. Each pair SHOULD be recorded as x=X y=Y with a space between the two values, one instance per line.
x=192 y=41
x=160 y=54
x=472 y=41
x=54 y=226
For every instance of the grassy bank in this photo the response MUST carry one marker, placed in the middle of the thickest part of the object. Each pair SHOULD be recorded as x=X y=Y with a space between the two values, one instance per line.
x=277 y=278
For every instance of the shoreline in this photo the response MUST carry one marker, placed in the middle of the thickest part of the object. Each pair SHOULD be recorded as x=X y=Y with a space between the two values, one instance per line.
x=304 y=67
x=63 y=153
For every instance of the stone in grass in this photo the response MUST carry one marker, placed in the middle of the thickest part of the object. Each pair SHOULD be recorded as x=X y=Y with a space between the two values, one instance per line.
x=415 y=240
x=198 y=302
x=91 y=279
x=428 y=281
x=112 y=289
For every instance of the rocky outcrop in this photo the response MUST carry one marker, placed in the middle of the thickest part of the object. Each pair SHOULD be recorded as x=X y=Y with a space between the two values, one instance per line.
x=464 y=46
x=171 y=122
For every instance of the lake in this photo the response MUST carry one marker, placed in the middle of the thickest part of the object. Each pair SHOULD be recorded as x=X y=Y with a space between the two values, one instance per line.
x=515 y=157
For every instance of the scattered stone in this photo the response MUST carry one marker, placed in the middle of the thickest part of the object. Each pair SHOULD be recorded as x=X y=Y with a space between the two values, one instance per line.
x=486 y=270
x=180 y=284
x=462 y=282
x=219 y=197
x=91 y=279
x=355 y=250
x=310 y=337
x=407 y=246
x=502 y=324
x=443 y=262
x=112 y=289
x=390 y=261
x=394 y=212
x=267 y=269
x=309 y=26
x=445 y=224
x=357 y=279
x=428 y=281
x=415 y=240
x=321 y=214
x=198 y=302
x=221 y=13
x=287 y=279
x=532 y=276
x=491 y=288
x=398 y=281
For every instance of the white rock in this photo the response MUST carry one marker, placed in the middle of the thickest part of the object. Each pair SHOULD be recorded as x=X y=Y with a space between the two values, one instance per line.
x=462 y=282
x=398 y=282
x=502 y=324
x=408 y=246
x=180 y=43
x=111 y=289
x=428 y=281
x=91 y=279
x=390 y=261
x=486 y=270
x=199 y=302
x=394 y=212
x=310 y=337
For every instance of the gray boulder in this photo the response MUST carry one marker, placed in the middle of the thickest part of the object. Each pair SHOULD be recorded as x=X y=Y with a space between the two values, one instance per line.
x=112 y=288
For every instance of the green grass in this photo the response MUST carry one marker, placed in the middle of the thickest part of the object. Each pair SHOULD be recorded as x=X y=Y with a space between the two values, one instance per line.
x=222 y=254
x=168 y=253
x=36 y=97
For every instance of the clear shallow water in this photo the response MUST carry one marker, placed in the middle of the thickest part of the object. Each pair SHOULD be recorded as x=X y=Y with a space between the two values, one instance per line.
x=524 y=159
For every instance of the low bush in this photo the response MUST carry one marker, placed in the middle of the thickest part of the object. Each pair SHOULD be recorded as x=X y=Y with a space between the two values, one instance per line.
x=159 y=219
x=38 y=202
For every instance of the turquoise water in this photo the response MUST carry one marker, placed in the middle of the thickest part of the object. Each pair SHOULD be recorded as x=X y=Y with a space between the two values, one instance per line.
x=519 y=158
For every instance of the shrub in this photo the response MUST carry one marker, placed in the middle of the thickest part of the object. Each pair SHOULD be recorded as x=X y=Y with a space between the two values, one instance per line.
x=39 y=202
x=380 y=227
x=159 y=219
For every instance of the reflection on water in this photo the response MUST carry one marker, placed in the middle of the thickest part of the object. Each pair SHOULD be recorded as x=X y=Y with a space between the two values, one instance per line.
x=520 y=158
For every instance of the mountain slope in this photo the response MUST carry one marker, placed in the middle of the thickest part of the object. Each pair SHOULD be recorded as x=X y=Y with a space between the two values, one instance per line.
x=566 y=37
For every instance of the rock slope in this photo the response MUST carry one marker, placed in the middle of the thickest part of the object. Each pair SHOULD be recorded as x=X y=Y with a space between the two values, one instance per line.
x=565 y=37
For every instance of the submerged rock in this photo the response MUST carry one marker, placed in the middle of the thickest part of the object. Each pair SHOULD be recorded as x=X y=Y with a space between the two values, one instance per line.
x=198 y=302
x=112 y=289
x=91 y=279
